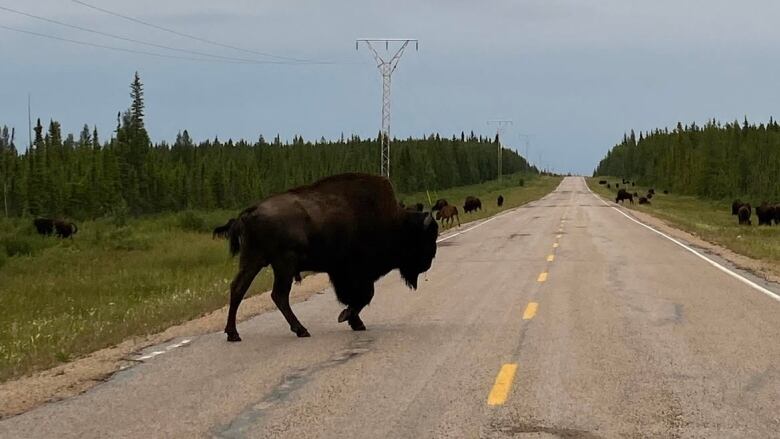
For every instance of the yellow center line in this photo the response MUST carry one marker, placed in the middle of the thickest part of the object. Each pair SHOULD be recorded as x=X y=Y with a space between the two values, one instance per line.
x=559 y=236
x=542 y=277
x=503 y=384
x=530 y=311
x=555 y=245
x=550 y=258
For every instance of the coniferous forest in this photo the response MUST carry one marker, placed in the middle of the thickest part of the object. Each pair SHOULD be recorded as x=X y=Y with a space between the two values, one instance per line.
x=714 y=161
x=87 y=176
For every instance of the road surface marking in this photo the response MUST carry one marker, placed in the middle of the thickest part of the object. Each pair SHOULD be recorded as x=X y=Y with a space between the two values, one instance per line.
x=151 y=355
x=542 y=277
x=503 y=384
x=559 y=236
x=720 y=267
x=555 y=245
x=550 y=258
x=530 y=311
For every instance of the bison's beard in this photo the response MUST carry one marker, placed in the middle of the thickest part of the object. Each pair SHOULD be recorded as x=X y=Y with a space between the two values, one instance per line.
x=410 y=277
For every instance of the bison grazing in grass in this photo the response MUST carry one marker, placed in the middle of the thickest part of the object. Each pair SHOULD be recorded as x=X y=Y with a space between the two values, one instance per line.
x=349 y=226
x=447 y=213
x=500 y=200
x=735 y=206
x=472 y=204
x=623 y=195
x=47 y=227
x=765 y=213
x=643 y=200
x=743 y=214
x=602 y=182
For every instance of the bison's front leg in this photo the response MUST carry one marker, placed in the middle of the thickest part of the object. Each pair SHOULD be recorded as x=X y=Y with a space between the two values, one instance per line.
x=356 y=302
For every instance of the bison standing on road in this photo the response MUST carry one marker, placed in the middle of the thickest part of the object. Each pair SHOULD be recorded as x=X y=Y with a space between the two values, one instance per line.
x=500 y=200
x=47 y=227
x=472 y=204
x=349 y=226
x=743 y=214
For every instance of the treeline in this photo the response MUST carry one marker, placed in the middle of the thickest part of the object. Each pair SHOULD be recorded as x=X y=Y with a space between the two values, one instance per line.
x=82 y=177
x=714 y=161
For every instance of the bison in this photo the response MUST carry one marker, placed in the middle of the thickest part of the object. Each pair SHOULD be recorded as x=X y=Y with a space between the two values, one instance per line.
x=623 y=195
x=223 y=231
x=609 y=186
x=636 y=194
x=47 y=227
x=666 y=192
x=500 y=200
x=348 y=226
x=651 y=191
x=735 y=206
x=602 y=182
x=472 y=204
x=649 y=196
x=441 y=202
x=644 y=200
x=447 y=213
x=777 y=214
x=743 y=214
x=765 y=213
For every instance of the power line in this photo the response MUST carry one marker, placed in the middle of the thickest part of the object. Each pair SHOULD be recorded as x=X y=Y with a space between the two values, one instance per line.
x=120 y=49
x=132 y=40
x=193 y=37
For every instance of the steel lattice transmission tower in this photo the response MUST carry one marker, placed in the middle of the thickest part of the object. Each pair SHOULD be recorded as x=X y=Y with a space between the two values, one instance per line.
x=500 y=124
x=386 y=68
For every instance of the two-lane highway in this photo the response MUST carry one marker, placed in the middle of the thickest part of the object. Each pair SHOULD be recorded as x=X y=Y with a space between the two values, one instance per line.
x=562 y=318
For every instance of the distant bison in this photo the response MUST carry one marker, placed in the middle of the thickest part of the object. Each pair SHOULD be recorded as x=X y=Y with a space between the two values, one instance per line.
x=47 y=227
x=644 y=200
x=666 y=192
x=447 y=213
x=743 y=214
x=441 y=202
x=609 y=186
x=500 y=200
x=765 y=213
x=735 y=206
x=651 y=191
x=649 y=196
x=636 y=194
x=632 y=184
x=623 y=195
x=224 y=230
x=472 y=204
x=602 y=182
x=349 y=226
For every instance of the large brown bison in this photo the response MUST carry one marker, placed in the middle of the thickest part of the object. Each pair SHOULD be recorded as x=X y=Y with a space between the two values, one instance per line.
x=47 y=227
x=472 y=204
x=447 y=213
x=349 y=226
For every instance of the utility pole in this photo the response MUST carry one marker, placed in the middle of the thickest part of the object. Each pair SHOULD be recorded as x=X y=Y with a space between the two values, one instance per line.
x=527 y=139
x=500 y=124
x=386 y=68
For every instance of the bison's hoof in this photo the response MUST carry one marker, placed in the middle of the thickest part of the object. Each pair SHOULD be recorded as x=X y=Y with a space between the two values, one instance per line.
x=302 y=332
x=345 y=315
x=357 y=326
x=233 y=337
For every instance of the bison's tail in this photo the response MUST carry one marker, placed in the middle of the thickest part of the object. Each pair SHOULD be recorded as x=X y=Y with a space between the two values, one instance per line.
x=235 y=232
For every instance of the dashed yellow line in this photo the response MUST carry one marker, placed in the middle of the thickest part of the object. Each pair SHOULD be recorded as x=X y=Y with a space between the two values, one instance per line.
x=530 y=311
x=559 y=236
x=550 y=258
x=542 y=277
x=503 y=384
x=555 y=245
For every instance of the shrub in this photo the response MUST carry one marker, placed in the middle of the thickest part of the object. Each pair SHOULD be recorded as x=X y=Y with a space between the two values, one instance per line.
x=192 y=222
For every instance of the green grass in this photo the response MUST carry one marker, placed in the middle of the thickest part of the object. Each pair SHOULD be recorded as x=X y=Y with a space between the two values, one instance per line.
x=124 y=277
x=708 y=219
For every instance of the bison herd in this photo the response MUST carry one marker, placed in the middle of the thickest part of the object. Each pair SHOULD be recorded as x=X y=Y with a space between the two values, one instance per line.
x=767 y=213
x=623 y=194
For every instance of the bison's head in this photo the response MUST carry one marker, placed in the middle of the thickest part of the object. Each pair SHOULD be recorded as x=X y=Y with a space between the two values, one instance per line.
x=419 y=245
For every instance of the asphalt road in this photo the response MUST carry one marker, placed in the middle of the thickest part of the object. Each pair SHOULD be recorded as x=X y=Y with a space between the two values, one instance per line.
x=562 y=318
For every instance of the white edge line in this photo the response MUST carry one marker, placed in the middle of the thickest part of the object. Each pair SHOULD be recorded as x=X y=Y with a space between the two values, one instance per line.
x=720 y=267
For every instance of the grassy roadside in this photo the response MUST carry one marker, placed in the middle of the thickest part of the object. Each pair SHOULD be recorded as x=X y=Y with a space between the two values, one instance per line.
x=707 y=219
x=119 y=278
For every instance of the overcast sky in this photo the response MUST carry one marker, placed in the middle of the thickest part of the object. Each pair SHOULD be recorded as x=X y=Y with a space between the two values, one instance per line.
x=574 y=74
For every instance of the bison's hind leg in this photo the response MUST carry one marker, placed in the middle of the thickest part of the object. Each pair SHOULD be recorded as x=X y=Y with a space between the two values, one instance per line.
x=248 y=269
x=284 y=272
